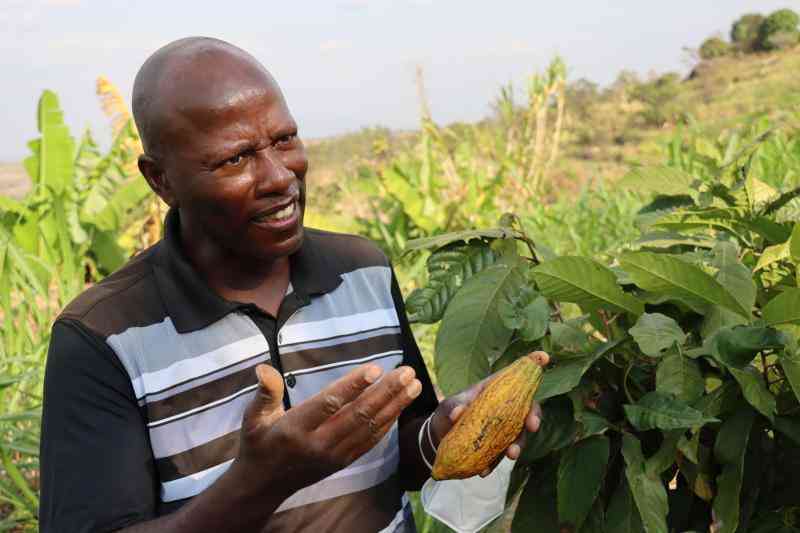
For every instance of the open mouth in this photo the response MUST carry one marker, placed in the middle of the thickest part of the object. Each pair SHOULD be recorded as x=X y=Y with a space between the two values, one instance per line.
x=283 y=214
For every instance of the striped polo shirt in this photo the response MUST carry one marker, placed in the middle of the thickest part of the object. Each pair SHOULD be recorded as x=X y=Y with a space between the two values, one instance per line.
x=188 y=358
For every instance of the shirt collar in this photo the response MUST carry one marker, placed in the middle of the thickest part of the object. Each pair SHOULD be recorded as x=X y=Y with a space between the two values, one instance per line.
x=193 y=305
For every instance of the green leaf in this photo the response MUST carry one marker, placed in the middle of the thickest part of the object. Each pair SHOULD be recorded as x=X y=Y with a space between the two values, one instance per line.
x=622 y=515
x=560 y=430
x=472 y=334
x=671 y=276
x=689 y=447
x=439 y=241
x=563 y=376
x=658 y=410
x=660 y=180
x=595 y=522
x=755 y=390
x=57 y=147
x=527 y=312
x=789 y=426
x=448 y=269
x=654 y=332
x=772 y=254
x=737 y=346
x=717 y=318
x=794 y=243
x=790 y=363
x=583 y=281
x=410 y=197
x=722 y=400
x=680 y=376
x=537 y=507
x=10 y=205
x=734 y=276
x=783 y=309
x=110 y=255
x=665 y=239
x=729 y=451
x=569 y=335
x=580 y=475
x=648 y=490
x=660 y=206
x=666 y=454
x=724 y=219
x=772 y=231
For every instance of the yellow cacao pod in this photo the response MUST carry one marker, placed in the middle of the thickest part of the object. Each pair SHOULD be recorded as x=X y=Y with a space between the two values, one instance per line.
x=490 y=423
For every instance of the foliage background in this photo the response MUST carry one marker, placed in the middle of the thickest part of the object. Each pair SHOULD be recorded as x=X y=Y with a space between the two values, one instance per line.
x=555 y=159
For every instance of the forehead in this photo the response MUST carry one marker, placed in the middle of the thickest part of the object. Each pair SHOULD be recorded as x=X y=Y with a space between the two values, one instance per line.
x=216 y=93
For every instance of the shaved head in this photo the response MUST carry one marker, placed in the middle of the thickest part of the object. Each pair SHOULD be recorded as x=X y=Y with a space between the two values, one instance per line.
x=189 y=74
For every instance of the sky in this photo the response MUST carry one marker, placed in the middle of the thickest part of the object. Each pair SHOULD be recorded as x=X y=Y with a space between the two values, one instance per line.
x=345 y=64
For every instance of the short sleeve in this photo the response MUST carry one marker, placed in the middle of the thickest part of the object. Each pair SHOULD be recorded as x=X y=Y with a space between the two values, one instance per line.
x=97 y=469
x=426 y=402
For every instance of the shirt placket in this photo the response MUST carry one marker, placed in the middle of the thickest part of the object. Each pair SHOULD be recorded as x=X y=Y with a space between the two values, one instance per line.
x=271 y=330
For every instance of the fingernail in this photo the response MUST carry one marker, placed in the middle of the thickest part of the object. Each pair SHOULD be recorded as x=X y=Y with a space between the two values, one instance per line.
x=406 y=375
x=514 y=451
x=414 y=389
x=536 y=423
x=372 y=374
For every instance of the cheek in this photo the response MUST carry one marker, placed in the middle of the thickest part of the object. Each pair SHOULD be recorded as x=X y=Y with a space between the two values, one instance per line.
x=226 y=198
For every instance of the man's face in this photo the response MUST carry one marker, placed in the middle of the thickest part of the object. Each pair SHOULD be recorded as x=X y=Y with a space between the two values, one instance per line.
x=237 y=168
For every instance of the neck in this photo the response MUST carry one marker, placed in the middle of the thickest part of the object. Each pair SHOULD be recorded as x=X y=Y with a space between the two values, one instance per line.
x=233 y=276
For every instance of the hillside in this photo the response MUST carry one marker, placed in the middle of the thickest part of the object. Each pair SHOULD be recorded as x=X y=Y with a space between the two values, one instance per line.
x=606 y=129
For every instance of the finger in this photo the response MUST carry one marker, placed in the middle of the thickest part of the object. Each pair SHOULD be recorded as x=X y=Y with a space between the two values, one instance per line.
x=354 y=447
x=513 y=452
x=360 y=416
x=330 y=400
x=392 y=410
x=534 y=419
x=268 y=401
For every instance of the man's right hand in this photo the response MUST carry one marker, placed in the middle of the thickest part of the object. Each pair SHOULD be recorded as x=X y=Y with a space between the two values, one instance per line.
x=323 y=434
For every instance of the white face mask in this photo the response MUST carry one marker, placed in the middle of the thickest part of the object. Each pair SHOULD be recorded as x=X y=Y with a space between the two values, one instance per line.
x=467 y=505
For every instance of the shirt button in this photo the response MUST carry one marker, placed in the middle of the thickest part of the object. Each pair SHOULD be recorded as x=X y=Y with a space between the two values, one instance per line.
x=291 y=381
x=280 y=338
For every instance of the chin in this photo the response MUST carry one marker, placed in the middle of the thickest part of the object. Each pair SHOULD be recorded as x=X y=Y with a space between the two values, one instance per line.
x=282 y=247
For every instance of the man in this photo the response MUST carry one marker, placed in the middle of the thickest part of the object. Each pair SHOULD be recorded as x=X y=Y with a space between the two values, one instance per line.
x=245 y=373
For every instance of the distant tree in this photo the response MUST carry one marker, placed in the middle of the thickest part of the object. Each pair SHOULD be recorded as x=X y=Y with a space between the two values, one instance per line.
x=714 y=47
x=744 y=32
x=582 y=94
x=657 y=94
x=779 y=30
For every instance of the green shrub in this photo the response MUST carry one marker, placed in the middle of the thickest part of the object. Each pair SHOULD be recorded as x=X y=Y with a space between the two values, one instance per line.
x=714 y=47
x=779 y=30
x=744 y=32
x=672 y=400
x=656 y=95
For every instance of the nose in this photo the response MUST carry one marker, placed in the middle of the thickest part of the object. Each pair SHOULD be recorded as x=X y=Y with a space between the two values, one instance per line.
x=272 y=175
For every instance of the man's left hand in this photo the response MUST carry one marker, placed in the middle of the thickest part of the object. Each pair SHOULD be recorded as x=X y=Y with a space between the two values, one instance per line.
x=450 y=409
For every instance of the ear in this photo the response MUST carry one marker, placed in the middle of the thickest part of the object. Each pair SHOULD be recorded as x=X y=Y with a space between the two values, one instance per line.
x=154 y=173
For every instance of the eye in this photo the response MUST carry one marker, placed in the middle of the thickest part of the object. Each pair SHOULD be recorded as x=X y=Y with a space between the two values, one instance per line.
x=235 y=160
x=286 y=141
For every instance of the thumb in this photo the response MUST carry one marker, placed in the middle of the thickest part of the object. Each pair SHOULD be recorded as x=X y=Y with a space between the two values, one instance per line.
x=268 y=401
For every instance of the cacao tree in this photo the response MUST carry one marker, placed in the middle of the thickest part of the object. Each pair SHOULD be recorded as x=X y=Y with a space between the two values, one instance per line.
x=672 y=402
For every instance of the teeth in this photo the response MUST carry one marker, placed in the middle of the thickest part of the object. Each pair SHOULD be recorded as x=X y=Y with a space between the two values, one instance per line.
x=286 y=212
